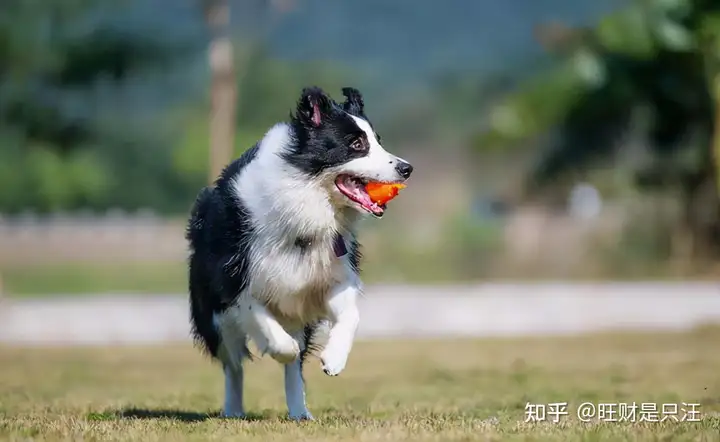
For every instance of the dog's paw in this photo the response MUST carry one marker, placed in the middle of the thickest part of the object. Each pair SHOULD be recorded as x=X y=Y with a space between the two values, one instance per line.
x=233 y=414
x=302 y=416
x=284 y=350
x=333 y=362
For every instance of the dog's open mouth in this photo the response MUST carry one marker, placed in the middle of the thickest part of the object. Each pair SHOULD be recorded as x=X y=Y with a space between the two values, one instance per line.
x=354 y=189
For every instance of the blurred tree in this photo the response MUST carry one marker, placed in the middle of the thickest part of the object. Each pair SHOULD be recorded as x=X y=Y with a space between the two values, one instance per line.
x=44 y=57
x=60 y=63
x=92 y=115
x=658 y=55
x=223 y=88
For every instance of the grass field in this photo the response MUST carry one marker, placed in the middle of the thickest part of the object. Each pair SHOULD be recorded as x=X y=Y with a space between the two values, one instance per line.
x=83 y=278
x=23 y=281
x=392 y=390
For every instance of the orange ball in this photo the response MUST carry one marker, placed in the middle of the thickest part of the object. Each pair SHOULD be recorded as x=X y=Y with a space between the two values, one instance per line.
x=381 y=193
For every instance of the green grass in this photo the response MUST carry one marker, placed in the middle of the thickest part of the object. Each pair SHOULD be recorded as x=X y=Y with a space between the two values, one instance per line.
x=85 y=278
x=89 y=279
x=170 y=277
x=392 y=390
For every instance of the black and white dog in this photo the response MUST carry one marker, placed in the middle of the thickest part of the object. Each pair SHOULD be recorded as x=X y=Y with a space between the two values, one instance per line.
x=273 y=249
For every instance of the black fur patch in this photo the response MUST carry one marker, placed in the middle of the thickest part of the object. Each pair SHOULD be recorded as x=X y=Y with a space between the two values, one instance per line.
x=218 y=232
x=303 y=242
x=319 y=146
x=355 y=255
x=312 y=341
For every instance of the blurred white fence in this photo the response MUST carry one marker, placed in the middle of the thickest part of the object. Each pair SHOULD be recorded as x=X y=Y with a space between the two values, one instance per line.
x=113 y=236
x=535 y=241
x=117 y=236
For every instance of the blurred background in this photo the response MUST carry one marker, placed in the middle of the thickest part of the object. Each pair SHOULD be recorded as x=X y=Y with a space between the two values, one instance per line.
x=552 y=139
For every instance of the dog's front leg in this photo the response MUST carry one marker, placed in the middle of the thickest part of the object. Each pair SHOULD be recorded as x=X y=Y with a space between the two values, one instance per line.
x=344 y=318
x=267 y=333
x=295 y=385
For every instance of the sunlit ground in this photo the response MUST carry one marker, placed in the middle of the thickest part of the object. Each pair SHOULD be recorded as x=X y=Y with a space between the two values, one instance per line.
x=391 y=390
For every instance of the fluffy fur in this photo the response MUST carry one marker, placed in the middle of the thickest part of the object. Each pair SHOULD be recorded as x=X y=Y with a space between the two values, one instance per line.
x=273 y=249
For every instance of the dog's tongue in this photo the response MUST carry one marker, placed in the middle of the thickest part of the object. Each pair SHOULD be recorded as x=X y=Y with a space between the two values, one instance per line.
x=362 y=197
x=357 y=190
x=365 y=200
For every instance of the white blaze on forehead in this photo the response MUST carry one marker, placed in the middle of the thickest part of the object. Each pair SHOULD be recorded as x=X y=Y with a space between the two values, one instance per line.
x=375 y=147
x=365 y=126
x=378 y=164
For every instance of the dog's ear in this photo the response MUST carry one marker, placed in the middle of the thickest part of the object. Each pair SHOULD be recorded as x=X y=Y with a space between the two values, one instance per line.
x=354 y=103
x=313 y=106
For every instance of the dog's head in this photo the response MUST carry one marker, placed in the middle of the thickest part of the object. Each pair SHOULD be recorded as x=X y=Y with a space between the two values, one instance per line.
x=337 y=145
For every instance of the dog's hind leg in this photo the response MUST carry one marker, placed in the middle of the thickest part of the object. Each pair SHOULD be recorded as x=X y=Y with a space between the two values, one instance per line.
x=231 y=351
x=295 y=386
x=233 y=392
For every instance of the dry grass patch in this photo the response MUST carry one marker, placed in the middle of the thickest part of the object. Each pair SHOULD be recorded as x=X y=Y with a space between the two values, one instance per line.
x=391 y=390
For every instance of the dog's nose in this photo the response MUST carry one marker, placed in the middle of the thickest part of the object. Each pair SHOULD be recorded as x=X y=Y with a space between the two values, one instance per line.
x=404 y=169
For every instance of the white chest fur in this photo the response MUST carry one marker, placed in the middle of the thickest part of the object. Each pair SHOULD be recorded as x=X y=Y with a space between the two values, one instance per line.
x=294 y=281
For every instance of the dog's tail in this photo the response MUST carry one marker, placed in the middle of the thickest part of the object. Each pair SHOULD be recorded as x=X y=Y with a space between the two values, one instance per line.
x=202 y=309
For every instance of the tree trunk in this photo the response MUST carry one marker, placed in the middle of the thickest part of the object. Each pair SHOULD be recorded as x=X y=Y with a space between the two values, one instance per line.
x=223 y=86
x=716 y=130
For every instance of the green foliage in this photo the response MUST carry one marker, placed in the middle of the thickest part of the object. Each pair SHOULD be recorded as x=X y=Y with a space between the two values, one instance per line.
x=46 y=180
x=621 y=42
x=627 y=32
x=661 y=56
x=57 y=150
x=533 y=108
x=65 y=143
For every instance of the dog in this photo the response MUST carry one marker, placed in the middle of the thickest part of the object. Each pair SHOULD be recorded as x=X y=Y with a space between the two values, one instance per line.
x=274 y=254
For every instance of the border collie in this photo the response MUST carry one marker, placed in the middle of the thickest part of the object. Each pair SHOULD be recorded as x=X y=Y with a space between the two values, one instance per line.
x=273 y=248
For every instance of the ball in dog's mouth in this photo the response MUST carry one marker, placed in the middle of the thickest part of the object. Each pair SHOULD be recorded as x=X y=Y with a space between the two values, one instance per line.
x=354 y=189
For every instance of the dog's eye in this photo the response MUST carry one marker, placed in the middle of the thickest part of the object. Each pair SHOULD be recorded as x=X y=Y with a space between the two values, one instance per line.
x=358 y=145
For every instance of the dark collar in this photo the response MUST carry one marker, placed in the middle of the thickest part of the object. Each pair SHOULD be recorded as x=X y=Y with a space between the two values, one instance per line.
x=339 y=246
